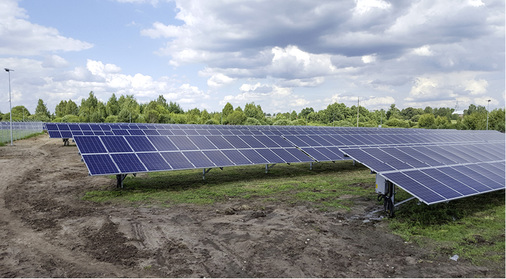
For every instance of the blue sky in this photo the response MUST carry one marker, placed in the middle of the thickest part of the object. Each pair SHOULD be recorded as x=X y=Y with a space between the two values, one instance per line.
x=282 y=55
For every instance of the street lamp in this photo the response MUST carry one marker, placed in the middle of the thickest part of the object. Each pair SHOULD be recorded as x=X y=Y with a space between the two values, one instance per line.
x=488 y=107
x=10 y=99
x=358 y=107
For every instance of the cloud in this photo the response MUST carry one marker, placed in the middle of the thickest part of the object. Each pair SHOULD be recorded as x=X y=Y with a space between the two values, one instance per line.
x=272 y=98
x=20 y=37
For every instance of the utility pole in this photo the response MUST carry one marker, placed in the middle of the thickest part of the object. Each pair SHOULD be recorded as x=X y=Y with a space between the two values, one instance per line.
x=358 y=106
x=488 y=108
x=10 y=99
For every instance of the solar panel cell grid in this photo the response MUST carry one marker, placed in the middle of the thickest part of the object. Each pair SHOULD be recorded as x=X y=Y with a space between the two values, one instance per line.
x=89 y=144
x=115 y=144
x=177 y=160
x=100 y=164
x=153 y=161
x=199 y=159
x=128 y=163
x=218 y=158
x=414 y=188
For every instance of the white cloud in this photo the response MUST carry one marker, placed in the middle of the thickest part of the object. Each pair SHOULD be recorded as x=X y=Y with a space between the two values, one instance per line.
x=18 y=36
x=368 y=59
x=423 y=51
x=365 y=6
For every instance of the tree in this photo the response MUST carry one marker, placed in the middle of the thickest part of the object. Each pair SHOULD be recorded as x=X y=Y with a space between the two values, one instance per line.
x=393 y=112
x=474 y=121
x=426 y=121
x=112 y=107
x=41 y=110
x=129 y=109
x=497 y=120
x=19 y=113
x=227 y=110
x=236 y=118
x=293 y=115
x=175 y=108
x=305 y=112
x=250 y=110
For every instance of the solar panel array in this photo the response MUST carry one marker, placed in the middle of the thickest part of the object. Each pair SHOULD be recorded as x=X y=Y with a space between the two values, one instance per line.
x=438 y=173
x=432 y=165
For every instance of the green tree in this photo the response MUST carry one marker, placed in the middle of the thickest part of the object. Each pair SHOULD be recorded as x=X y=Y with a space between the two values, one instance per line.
x=41 y=112
x=112 y=107
x=175 y=108
x=442 y=122
x=474 y=121
x=393 y=112
x=19 y=113
x=293 y=115
x=254 y=111
x=252 y=121
x=236 y=118
x=227 y=110
x=305 y=112
x=71 y=108
x=426 y=121
x=129 y=109
x=496 y=120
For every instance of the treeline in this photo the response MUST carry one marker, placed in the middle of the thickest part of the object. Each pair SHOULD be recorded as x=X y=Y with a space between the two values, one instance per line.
x=127 y=109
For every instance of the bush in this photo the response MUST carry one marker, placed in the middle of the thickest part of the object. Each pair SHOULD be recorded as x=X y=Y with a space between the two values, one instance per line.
x=111 y=119
x=299 y=122
x=394 y=122
x=212 y=122
x=70 y=118
x=252 y=121
x=282 y=122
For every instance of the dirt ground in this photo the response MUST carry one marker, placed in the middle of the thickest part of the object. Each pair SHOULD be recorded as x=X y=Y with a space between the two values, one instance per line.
x=47 y=230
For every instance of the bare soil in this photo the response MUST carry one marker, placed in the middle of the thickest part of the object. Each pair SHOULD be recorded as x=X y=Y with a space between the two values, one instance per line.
x=47 y=230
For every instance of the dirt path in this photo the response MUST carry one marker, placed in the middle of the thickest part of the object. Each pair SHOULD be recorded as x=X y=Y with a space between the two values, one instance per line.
x=48 y=231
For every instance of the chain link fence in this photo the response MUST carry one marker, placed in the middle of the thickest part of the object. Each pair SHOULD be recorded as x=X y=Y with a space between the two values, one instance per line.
x=20 y=130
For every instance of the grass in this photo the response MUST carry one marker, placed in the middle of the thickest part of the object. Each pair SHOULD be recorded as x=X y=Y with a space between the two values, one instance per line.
x=472 y=228
x=325 y=184
x=5 y=136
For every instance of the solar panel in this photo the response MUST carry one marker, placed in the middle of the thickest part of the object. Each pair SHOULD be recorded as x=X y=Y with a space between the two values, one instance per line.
x=177 y=160
x=128 y=163
x=100 y=164
x=153 y=161
x=116 y=144
x=199 y=159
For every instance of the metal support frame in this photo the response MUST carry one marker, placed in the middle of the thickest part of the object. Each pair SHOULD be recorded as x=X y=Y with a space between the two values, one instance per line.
x=310 y=165
x=388 y=198
x=204 y=171
x=66 y=142
x=119 y=180
x=268 y=167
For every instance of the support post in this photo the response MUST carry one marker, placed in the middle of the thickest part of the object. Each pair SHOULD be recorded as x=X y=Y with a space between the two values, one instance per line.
x=204 y=171
x=66 y=142
x=119 y=180
x=310 y=165
x=267 y=167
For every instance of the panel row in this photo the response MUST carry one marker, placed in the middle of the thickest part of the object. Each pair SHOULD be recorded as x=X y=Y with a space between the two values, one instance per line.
x=121 y=163
x=381 y=159
x=441 y=184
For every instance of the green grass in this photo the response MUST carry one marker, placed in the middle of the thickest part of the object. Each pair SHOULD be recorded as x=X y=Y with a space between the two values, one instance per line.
x=472 y=228
x=5 y=135
x=295 y=183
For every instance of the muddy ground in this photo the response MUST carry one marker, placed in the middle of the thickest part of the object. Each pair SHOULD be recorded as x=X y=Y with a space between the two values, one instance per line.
x=47 y=230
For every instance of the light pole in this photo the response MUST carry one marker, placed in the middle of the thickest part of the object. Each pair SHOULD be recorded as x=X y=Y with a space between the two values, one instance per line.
x=488 y=107
x=10 y=99
x=358 y=107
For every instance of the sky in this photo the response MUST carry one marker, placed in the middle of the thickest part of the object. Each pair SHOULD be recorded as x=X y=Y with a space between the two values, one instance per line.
x=281 y=55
